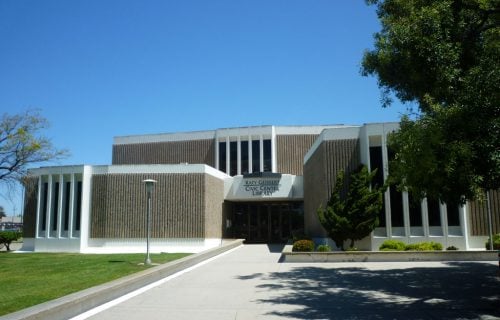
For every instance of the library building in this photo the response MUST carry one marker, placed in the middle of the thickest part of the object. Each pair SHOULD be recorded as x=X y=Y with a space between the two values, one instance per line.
x=263 y=184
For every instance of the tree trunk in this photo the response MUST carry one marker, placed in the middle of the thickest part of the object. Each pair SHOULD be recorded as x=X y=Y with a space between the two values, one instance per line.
x=352 y=243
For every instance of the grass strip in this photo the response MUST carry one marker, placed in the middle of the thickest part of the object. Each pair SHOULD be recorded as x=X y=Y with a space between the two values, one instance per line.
x=27 y=279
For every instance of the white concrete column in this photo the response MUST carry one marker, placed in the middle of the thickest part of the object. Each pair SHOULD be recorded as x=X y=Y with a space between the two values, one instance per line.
x=387 y=195
x=238 y=155
x=216 y=160
x=250 y=155
x=85 y=210
x=425 y=218
x=444 y=222
x=38 y=208
x=406 y=214
x=464 y=225
x=228 y=156
x=72 y=206
x=261 y=147
x=274 y=160
x=49 y=206
x=60 y=206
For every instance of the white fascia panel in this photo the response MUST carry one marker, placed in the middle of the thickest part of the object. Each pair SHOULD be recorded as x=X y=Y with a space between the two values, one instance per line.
x=159 y=168
x=56 y=170
x=165 y=137
x=337 y=133
x=292 y=130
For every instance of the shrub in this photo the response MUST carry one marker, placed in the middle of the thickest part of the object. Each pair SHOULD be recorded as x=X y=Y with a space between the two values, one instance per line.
x=352 y=249
x=303 y=246
x=323 y=248
x=424 y=246
x=6 y=238
x=496 y=242
x=392 y=245
x=300 y=236
x=450 y=248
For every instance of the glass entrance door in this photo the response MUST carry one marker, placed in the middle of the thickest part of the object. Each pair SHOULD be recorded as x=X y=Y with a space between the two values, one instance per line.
x=269 y=222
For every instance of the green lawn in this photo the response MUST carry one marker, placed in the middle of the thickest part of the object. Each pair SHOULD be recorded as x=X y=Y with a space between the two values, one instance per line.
x=27 y=279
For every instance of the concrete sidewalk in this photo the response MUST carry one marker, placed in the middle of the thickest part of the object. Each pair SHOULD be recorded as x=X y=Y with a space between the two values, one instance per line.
x=249 y=283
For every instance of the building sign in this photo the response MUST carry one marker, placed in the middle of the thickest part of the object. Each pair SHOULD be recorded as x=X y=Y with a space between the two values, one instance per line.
x=261 y=187
x=264 y=186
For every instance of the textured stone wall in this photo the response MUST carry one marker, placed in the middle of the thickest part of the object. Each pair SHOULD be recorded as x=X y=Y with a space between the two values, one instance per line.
x=291 y=150
x=214 y=199
x=173 y=152
x=320 y=173
x=478 y=215
x=30 y=204
x=179 y=206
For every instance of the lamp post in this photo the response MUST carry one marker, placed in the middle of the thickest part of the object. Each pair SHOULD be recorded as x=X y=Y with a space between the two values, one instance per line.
x=149 y=190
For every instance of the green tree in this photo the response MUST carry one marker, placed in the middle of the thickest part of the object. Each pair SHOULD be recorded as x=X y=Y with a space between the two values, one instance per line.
x=445 y=57
x=353 y=208
x=6 y=238
x=22 y=144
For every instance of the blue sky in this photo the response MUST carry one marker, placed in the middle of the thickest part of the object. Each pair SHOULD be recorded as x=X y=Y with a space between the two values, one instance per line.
x=99 y=69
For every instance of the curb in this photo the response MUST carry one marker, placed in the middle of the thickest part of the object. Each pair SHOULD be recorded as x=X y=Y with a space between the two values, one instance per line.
x=76 y=303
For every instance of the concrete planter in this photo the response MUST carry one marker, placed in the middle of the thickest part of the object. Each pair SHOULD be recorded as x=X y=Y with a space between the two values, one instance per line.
x=386 y=256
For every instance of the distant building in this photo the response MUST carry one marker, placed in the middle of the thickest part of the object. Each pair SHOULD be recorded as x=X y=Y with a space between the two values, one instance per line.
x=261 y=183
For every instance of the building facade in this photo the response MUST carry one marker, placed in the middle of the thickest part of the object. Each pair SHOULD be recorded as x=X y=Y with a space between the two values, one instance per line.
x=263 y=184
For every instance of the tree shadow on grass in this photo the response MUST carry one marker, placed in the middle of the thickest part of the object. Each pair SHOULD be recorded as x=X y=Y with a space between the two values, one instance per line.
x=460 y=290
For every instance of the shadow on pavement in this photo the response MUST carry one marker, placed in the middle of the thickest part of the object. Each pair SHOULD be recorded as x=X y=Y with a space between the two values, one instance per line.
x=459 y=290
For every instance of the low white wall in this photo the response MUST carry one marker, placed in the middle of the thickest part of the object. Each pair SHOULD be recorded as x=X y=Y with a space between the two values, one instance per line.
x=388 y=256
x=156 y=245
x=56 y=245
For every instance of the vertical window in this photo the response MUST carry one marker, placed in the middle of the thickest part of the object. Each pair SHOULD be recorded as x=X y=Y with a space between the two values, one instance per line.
x=45 y=190
x=255 y=156
x=233 y=158
x=55 y=206
x=222 y=156
x=267 y=156
x=434 y=213
x=397 y=219
x=452 y=212
x=415 y=211
x=244 y=157
x=78 y=205
x=67 y=196
x=376 y=163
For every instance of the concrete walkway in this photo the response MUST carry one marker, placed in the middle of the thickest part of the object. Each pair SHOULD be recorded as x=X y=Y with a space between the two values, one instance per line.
x=250 y=283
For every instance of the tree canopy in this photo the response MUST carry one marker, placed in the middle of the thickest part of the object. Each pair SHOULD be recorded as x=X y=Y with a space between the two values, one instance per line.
x=352 y=214
x=445 y=56
x=22 y=144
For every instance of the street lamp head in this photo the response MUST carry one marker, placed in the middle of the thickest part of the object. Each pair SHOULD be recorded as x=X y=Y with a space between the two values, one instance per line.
x=149 y=184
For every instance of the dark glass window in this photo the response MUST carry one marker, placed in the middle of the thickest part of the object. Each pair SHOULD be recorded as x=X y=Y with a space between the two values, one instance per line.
x=244 y=157
x=452 y=212
x=78 y=205
x=44 y=205
x=415 y=211
x=233 y=158
x=397 y=219
x=55 y=207
x=255 y=156
x=376 y=163
x=222 y=156
x=67 y=204
x=267 y=156
x=433 y=212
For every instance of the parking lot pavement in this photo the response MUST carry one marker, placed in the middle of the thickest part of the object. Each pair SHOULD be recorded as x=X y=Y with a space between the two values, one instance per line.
x=250 y=283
